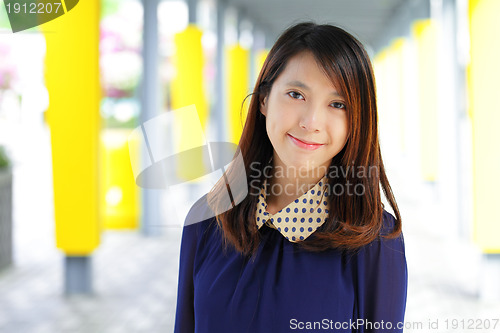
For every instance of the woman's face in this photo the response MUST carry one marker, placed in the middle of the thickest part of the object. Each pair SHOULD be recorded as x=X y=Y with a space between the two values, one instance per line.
x=306 y=119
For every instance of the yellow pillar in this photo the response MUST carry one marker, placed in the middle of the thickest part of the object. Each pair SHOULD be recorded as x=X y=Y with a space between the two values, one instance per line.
x=388 y=66
x=187 y=88
x=484 y=110
x=119 y=192
x=238 y=72
x=72 y=79
x=425 y=34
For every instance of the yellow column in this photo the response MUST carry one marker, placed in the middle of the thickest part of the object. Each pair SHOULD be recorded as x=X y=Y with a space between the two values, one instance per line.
x=238 y=64
x=187 y=88
x=425 y=35
x=388 y=66
x=119 y=192
x=72 y=79
x=484 y=110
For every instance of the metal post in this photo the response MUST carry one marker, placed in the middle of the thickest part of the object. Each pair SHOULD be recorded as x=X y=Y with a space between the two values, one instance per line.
x=149 y=109
x=78 y=274
x=219 y=77
x=253 y=58
x=489 y=288
x=463 y=158
x=448 y=176
x=269 y=39
x=259 y=39
x=192 y=11
x=239 y=19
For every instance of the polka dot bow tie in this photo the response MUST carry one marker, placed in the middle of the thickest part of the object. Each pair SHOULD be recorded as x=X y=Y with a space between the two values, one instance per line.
x=301 y=217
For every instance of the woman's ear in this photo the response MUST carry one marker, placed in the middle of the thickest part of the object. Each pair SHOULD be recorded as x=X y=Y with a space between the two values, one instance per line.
x=263 y=106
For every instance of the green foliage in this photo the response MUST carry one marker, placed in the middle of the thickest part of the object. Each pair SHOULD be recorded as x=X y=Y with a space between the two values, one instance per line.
x=109 y=7
x=4 y=159
x=4 y=19
x=112 y=122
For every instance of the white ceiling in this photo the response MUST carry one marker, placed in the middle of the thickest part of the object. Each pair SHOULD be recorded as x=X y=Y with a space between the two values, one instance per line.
x=365 y=19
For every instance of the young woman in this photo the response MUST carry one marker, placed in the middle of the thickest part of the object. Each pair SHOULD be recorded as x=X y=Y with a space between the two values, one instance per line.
x=309 y=246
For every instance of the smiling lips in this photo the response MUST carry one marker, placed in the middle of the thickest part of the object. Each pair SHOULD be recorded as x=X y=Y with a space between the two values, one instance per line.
x=305 y=144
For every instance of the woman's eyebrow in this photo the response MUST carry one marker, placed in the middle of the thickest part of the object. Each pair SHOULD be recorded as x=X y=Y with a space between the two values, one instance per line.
x=300 y=84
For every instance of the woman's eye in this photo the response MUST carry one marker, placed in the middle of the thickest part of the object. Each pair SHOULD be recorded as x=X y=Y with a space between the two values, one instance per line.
x=338 y=105
x=292 y=93
x=296 y=95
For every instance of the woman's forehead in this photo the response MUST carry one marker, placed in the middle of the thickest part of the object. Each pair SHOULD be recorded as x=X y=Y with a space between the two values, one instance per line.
x=303 y=71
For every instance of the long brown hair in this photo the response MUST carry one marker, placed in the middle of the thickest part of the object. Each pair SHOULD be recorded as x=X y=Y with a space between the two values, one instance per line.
x=354 y=220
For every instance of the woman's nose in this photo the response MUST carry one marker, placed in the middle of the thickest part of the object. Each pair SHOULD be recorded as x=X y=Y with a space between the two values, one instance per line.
x=311 y=120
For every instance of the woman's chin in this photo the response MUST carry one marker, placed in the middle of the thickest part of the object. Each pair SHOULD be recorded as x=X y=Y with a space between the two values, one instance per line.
x=302 y=166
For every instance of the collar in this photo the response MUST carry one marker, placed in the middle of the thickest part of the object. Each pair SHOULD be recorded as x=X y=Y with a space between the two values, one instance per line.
x=299 y=219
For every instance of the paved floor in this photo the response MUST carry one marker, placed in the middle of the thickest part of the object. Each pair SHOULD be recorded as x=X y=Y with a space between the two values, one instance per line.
x=135 y=276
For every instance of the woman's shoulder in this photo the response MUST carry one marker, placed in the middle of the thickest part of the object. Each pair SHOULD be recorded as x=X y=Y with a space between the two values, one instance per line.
x=385 y=244
x=198 y=219
x=199 y=212
x=388 y=223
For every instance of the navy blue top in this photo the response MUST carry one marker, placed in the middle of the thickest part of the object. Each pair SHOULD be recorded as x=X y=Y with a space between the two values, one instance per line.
x=287 y=289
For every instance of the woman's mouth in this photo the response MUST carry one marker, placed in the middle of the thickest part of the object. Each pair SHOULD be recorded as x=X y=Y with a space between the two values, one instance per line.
x=304 y=144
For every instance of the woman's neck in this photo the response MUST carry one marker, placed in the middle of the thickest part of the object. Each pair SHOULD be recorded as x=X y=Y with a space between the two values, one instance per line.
x=288 y=184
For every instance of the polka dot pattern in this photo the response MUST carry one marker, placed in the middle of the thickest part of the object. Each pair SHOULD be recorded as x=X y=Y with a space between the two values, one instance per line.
x=300 y=218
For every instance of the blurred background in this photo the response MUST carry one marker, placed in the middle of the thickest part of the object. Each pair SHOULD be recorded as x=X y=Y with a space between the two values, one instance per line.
x=84 y=249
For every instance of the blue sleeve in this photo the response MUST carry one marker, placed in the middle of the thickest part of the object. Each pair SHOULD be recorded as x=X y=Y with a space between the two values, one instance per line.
x=382 y=283
x=184 y=316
